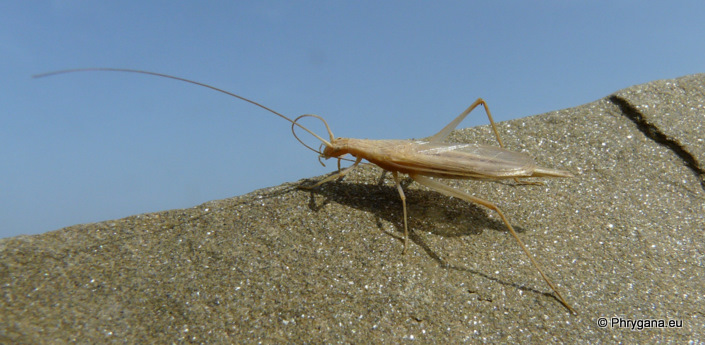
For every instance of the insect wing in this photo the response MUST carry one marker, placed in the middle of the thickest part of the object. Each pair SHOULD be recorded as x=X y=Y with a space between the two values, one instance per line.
x=469 y=160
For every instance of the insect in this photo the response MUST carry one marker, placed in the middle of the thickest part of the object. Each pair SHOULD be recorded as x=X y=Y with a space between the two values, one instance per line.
x=420 y=160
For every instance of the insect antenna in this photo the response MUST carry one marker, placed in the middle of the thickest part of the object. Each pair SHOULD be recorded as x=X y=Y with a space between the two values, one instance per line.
x=320 y=148
x=293 y=122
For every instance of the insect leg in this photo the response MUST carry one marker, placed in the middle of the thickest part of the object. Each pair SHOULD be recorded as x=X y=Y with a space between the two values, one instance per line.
x=447 y=190
x=339 y=174
x=453 y=124
x=403 y=203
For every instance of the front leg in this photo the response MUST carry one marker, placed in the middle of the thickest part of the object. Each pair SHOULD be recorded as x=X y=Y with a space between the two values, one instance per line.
x=339 y=174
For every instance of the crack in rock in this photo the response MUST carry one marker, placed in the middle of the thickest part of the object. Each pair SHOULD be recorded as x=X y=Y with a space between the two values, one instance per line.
x=654 y=133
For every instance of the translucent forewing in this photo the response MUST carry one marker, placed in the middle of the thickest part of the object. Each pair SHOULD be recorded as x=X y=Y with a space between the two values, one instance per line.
x=465 y=161
x=459 y=160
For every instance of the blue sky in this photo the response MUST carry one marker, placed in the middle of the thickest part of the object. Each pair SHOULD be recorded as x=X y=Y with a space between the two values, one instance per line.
x=87 y=147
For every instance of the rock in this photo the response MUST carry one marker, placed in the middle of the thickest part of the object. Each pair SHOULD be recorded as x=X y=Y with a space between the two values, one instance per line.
x=624 y=240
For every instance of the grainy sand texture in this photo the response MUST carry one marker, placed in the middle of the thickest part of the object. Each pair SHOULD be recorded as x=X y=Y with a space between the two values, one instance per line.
x=623 y=240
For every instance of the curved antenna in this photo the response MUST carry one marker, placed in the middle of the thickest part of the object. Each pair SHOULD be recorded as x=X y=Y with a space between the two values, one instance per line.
x=320 y=150
x=296 y=122
x=106 y=69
